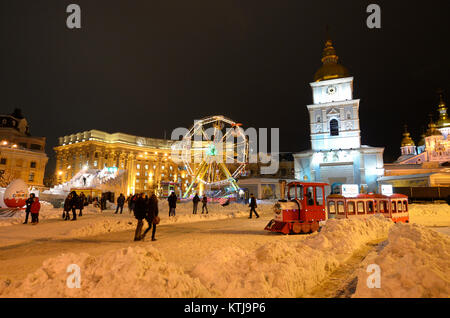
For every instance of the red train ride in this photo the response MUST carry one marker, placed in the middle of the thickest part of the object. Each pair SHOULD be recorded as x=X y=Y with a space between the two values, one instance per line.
x=306 y=207
x=393 y=206
x=302 y=211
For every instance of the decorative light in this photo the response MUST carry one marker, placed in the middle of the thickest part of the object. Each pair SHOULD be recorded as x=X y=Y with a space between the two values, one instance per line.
x=4 y=142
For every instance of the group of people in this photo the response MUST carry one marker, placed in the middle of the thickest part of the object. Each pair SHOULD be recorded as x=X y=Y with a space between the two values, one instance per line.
x=32 y=207
x=72 y=203
x=145 y=207
x=196 y=200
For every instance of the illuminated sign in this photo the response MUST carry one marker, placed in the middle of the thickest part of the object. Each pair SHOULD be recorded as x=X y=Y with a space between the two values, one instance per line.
x=349 y=190
x=386 y=189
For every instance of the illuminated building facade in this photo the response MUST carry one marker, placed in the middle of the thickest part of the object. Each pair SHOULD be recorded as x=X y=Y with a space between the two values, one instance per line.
x=337 y=155
x=434 y=145
x=427 y=164
x=21 y=155
x=146 y=161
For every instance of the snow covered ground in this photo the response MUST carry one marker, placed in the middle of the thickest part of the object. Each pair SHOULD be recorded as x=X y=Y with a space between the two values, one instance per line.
x=222 y=254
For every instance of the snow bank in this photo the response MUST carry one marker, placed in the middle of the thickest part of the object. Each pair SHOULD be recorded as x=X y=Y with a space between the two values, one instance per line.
x=183 y=215
x=279 y=269
x=430 y=214
x=287 y=269
x=131 y=272
x=414 y=263
x=47 y=212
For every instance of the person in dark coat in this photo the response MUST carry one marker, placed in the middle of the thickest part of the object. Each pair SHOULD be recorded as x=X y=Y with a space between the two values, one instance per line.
x=28 y=203
x=204 y=204
x=81 y=202
x=152 y=213
x=67 y=207
x=172 y=203
x=131 y=203
x=253 y=206
x=140 y=209
x=120 y=203
x=74 y=205
x=195 y=201
x=103 y=202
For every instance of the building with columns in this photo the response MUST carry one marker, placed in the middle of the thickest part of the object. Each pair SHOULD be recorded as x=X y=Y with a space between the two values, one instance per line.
x=336 y=155
x=22 y=156
x=146 y=161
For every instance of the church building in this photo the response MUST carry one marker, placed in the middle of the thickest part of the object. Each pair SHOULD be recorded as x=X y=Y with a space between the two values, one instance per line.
x=336 y=155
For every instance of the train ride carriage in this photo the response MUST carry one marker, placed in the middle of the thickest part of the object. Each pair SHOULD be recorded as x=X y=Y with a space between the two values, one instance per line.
x=393 y=206
x=302 y=211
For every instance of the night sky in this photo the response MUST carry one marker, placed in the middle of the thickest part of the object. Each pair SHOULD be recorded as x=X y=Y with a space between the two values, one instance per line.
x=145 y=67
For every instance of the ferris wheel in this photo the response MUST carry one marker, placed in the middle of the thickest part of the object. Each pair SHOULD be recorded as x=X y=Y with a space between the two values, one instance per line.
x=214 y=152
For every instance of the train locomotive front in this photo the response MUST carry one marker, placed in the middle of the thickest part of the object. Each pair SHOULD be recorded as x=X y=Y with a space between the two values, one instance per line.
x=302 y=211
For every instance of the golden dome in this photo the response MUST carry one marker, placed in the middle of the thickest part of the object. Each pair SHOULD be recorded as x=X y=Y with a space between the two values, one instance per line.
x=330 y=69
x=432 y=130
x=443 y=120
x=407 y=141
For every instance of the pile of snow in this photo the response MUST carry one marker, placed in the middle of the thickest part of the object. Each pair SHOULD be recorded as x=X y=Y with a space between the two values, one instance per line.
x=129 y=272
x=279 y=269
x=183 y=215
x=47 y=212
x=287 y=269
x=414 y=263
x=430 y=214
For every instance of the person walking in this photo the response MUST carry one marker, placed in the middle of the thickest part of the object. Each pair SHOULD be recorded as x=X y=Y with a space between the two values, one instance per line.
x=204 y=204
x=152 y=217
x=81 y=202
x=67 y=207
x=28 y=203
x=172 y=203
x=139 y=213
x=253 y=206
x=34 y=209
x=131 y=203
x=74 y=205
x=120 y=203
x=195 y=201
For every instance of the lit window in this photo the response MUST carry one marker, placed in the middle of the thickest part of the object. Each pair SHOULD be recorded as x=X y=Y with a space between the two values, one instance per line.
x=138 y=173
x=146 y=167
x=138 y=166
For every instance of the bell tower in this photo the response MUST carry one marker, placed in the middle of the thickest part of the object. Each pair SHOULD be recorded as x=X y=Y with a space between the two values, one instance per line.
x=334 y=114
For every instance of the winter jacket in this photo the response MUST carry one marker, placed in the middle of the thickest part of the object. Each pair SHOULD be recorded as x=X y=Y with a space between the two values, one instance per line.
x=205 y=200
x=140 y=208
x=121 y=200
x=196 y=199
x=253 y=203
x=29 y=202
x=35 y=206
x=152 y=207
x=80 y=202
x=172 y=201
x=67 y=204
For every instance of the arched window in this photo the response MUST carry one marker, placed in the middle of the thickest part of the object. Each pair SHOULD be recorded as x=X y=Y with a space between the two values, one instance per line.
x=334 y=127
